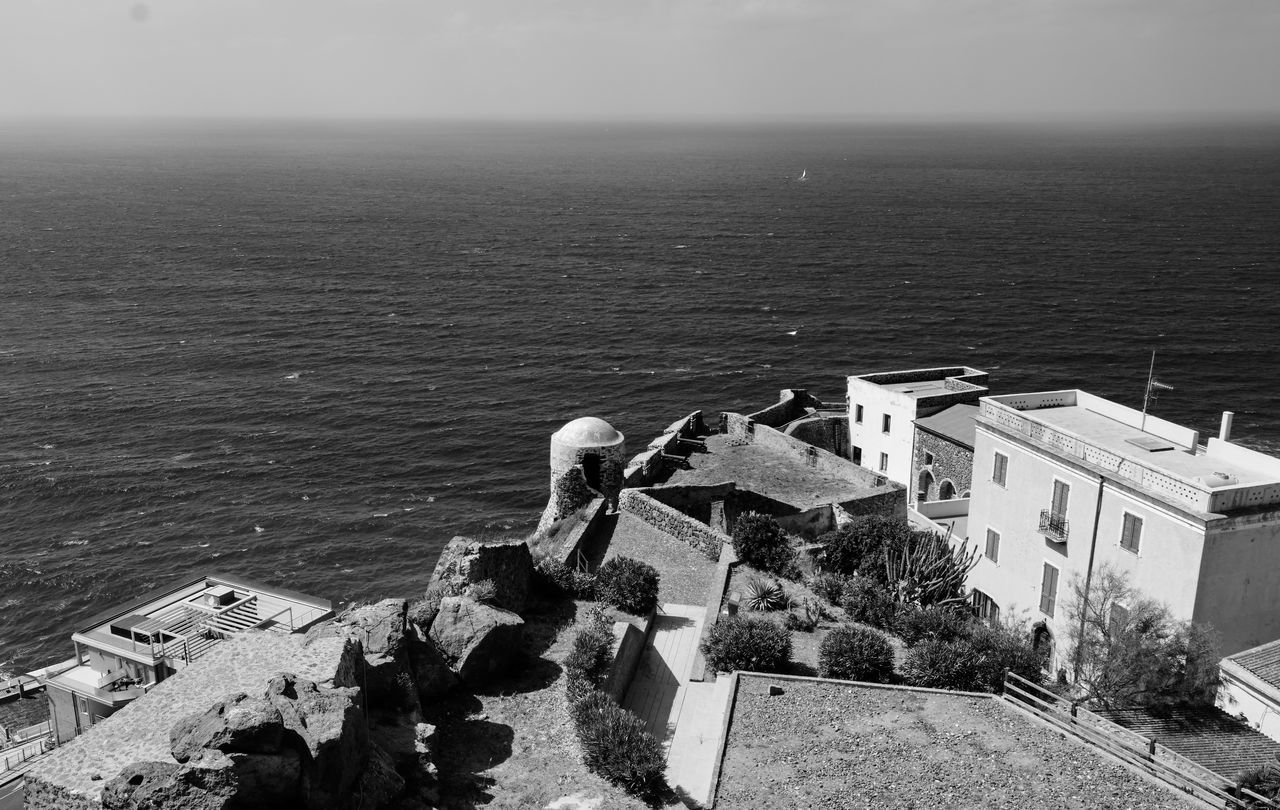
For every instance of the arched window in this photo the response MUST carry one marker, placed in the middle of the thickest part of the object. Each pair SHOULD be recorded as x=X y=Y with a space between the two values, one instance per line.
x=591 y=471
x=946 y=490
x=924 y=485
x=1042 y=643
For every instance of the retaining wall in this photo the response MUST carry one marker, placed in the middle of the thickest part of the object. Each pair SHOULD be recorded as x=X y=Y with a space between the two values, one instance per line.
x=675 y=523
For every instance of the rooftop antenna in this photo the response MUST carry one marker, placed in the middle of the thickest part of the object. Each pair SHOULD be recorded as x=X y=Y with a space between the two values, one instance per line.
x=1154 y=386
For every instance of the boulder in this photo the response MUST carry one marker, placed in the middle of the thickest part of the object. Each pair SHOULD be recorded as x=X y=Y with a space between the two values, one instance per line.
x=166 y=785
x=508 y=564
x=431 y=672
x=330 y=728
x=477 y=640
x=382 y=630
x=239 y=723
x=267 y=781
x=379 y=783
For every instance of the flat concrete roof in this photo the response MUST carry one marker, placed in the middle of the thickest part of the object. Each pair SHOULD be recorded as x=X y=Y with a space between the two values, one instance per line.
x=921 y=388
x=1114 y=435
x=768 y=472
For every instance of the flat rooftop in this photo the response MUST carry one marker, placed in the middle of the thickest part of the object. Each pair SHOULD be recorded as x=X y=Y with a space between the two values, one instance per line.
x=163 y=623
x=772 y=473
x=845 y=745
x=139 y=732
x=922 y=383
x=1161 y=457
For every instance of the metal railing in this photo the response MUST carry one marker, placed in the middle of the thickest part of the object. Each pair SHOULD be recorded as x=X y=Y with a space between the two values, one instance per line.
x=1054 y=525
x=1147 y=754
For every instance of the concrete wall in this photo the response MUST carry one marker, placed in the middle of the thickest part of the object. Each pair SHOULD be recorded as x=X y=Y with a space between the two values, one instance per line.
x=62 y=711
x=682 y=527
x=1239 y=580
x=1243 y=693
x=628 y=646
x=648 y=467
x=951 y=462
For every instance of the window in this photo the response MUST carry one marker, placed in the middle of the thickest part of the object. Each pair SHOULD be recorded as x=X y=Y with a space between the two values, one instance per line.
x=1119 y=621
x=1000 y=468
x=993 y=545
x=984 y=607
x=1049 y=590
x=855 y=454
x=928 y=458
x=1061 y=494
x=884 y=462
x=1131 y=534
x=884 y=423
x=857 y=414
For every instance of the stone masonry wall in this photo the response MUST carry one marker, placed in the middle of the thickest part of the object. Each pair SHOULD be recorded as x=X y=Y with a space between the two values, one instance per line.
x=682 y=527
x=790 y=406
x=950 y=461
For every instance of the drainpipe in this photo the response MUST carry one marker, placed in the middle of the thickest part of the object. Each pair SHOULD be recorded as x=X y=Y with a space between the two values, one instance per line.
x=1088 y=572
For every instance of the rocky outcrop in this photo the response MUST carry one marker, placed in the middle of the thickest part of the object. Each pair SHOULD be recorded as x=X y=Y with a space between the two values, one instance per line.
x=332 y=730
x=431 y=672
x=477 y=640
x=163 y=785
x=465 y=562
x=239 y=723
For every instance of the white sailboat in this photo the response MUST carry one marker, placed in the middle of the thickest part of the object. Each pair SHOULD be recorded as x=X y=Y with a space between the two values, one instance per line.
x=804 y=175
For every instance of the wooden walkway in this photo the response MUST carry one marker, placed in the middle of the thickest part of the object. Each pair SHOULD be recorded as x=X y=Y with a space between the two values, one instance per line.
x=657 y=691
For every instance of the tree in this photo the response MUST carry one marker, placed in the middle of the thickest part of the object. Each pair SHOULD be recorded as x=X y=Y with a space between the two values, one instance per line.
x=1128 y=650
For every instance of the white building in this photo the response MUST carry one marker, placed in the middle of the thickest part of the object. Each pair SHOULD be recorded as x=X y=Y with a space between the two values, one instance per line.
x=1251 y=687
x=883 y=408
x=1066 y=482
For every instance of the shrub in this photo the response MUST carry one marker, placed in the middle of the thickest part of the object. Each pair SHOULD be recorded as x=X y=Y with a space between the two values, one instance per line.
x=939 y=664
x=866 y=601
x=628 y=584
x=748 y=643
x=761 y=543
x=806 y=621
x=761 y=594
x=856 y=654
x=828 y=586
x=974 y=663
x=483 y=591
x=616 y=745
x=916 y=624
x=554 y=578
x=587 y=665
x=1002 y=647
x=859 y=547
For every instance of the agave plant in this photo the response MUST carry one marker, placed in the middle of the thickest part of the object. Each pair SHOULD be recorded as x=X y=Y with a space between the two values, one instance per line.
x=763 y=594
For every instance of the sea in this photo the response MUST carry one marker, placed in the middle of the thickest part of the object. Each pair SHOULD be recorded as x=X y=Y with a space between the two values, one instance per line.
x=310 y=353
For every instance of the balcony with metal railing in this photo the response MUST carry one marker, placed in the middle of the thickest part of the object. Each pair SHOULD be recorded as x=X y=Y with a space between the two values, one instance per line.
x=1054 y=525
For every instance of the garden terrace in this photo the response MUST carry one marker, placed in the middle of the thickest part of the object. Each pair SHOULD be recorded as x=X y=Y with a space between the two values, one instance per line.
x=845 y=745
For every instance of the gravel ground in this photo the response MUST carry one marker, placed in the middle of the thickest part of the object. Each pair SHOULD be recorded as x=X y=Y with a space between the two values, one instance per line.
x=833 y=746
x=685 y=573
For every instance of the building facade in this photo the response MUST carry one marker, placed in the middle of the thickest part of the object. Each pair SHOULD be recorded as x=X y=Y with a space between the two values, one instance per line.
x=1066 y=483
x=123 y=653
x=884 y=406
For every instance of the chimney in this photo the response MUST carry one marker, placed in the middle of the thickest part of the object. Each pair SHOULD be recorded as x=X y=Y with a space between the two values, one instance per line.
x=1224 y=433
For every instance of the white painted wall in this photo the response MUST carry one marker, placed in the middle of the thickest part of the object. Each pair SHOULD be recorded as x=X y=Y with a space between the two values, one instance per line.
x=1242 y=693
x=876 y=401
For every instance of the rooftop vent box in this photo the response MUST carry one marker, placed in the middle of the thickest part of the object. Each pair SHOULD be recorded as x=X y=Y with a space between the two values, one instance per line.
x=219 y=596
x=1151 y=444
x=125 y=627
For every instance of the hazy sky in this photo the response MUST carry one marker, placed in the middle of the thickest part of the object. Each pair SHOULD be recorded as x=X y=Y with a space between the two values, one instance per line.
x=641 y=58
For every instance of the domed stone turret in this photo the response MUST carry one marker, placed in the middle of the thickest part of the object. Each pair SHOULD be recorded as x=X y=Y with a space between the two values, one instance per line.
x=588 y=457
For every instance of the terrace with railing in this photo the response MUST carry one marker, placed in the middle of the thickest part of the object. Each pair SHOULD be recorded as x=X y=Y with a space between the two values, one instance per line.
x=1153 y=454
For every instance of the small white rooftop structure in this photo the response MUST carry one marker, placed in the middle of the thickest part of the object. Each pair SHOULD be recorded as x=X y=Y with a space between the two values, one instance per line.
x=588 y=431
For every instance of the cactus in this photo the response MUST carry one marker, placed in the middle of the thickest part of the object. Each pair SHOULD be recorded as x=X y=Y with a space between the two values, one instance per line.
x=926 y=570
